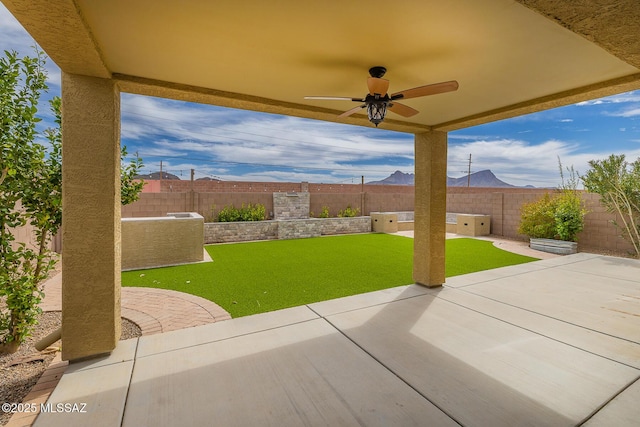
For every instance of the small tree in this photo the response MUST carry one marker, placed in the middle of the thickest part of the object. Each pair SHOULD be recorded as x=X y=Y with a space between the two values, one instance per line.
x=618 y=184
x=28 y=194
x=130 y=187
x=31 y=193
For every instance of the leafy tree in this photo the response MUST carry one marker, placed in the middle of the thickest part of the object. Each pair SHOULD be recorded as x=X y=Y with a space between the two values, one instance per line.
x=618 y=183
x=25 y=176
x=130 y=188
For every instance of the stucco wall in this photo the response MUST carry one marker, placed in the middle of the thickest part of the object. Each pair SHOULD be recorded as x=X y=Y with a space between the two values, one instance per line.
x=162 y=241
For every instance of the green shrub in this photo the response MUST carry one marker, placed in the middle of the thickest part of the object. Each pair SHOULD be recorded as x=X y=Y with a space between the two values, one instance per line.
x=250 y=212
x=537 y=219
x=325 y=212
x=560 y=217
x=349 y=212
x=569 y=217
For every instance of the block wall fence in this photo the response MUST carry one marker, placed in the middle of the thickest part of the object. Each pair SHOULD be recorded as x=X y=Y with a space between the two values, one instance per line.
x=503 y=204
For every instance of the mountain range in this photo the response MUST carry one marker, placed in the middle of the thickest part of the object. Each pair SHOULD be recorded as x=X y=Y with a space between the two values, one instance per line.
x=484 y=178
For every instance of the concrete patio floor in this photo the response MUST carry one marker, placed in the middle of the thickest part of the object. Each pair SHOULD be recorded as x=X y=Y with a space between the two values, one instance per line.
x=554 y=342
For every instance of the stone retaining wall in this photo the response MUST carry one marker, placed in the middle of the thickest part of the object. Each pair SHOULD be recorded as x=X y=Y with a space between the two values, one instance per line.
x=225 y=232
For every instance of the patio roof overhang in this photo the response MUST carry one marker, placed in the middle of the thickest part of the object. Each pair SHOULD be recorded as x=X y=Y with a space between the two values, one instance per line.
x=509 y=57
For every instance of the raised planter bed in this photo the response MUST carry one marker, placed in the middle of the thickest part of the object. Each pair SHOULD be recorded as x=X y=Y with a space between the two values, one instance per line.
x=559 y=247
x=225 y=232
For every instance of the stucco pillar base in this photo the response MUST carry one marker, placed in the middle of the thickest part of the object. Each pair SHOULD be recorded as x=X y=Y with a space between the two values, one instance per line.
x=430 y=208
x=91 y=221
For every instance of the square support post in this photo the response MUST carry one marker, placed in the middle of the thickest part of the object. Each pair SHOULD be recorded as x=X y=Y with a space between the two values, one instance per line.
x=91 y=220
x=430 y=208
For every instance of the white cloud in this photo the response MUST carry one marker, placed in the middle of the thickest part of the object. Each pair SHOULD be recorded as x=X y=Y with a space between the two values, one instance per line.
x=627 y=113
x=225 y=136
x=614 y=99
x=566 y=120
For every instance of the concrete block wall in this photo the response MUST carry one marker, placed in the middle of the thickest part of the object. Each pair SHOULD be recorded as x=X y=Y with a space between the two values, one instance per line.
x=210 y=204
x=335 y=202
x=156 y=204
x=502 y=204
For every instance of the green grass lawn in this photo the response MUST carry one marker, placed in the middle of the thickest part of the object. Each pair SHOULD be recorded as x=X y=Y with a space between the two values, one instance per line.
x=250 y=278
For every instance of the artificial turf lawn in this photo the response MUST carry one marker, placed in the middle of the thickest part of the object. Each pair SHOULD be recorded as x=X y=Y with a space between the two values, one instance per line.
x=256 y=277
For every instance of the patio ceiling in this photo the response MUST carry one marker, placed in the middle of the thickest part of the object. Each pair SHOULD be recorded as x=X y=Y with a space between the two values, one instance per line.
x=508 y=58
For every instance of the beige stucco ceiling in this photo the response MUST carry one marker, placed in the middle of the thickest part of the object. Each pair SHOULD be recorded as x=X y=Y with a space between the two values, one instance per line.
x=266 y=55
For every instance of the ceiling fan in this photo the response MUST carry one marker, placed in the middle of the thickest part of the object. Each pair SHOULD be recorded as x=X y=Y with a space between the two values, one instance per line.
x=378 y=100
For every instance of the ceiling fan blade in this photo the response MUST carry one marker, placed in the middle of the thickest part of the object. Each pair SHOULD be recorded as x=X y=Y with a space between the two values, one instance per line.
x=352 y=111
x=403 y=110
x=335 y=98
x=432 y=89
x=376 y=85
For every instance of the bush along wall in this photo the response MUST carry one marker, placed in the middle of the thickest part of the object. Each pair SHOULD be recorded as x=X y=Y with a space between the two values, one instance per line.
x=250 y=212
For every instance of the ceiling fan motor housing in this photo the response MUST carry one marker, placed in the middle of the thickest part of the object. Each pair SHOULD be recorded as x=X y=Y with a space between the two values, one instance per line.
x=377 y=71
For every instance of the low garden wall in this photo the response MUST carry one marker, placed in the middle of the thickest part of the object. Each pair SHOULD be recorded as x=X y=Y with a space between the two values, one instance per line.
x=162 y=241
x=225 y=232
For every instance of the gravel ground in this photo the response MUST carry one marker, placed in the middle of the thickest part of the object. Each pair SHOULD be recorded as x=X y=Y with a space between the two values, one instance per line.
x=17 y=381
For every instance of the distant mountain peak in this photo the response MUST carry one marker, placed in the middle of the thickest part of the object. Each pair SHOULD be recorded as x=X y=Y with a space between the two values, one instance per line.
x=396 y=178
x=156 y=176
x=484 y=178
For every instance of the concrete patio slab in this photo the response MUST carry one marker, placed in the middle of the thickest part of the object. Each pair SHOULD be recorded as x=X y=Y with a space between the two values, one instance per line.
x=552 y=345
x=92 y=397
x=496 y=273
x=619 y=268
x=483 y=371
x=185 y=338
x=124 y=352
x=597 y=302
x=604 y=345
x=301 y=374
x=355 y=302
x=623 y=410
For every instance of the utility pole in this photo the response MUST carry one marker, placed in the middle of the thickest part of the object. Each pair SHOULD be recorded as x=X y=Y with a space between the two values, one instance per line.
x=161 y=176
x=469 y=173
x=362 y=195
x=192 y=192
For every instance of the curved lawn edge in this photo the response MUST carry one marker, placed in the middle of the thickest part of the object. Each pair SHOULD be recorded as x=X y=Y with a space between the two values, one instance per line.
x=256 y=277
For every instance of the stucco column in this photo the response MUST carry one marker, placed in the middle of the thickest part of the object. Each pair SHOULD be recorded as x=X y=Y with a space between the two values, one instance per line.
x=91 y=216
x=430 y=208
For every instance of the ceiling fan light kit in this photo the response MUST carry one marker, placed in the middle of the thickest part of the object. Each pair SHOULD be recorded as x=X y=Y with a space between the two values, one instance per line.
x=376 y=109
x=378 y=100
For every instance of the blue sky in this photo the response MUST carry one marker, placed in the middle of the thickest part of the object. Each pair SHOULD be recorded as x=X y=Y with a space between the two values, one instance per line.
x=241 y=145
